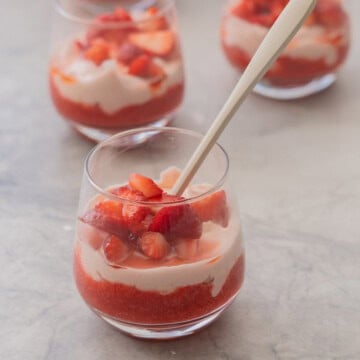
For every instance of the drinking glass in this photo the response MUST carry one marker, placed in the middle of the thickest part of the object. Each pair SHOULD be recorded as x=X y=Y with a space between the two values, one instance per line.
x=310 y=62
x=156 y=265
x=115 y=65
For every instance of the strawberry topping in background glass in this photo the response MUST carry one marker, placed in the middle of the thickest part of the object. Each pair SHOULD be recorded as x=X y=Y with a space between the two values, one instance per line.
x=116 y=68
x=152 y=264
x=311 y=60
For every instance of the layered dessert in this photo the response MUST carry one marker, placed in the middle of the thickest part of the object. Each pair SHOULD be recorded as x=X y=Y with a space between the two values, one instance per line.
x=318 y=49
x=125 y=70
x=155 y=258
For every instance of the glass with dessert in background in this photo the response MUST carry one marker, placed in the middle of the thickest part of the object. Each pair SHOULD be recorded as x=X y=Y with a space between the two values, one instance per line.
x=153 y=264
x=308 y=64
x=115 y=65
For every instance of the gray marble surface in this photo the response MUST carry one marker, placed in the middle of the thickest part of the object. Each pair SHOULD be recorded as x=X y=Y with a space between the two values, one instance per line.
x=297 y=172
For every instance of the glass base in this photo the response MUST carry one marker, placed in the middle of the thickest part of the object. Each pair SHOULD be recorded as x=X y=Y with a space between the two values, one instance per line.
x=165 y=331
x=290 y=93
x=101 y=134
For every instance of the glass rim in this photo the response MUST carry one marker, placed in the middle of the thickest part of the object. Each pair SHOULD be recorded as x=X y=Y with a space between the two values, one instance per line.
x=59 y=9
x=155 y=129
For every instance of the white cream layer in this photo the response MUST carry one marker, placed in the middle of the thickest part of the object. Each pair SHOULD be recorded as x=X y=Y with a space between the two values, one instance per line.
x=307 y=44
x=110 y=87
x=166 y=279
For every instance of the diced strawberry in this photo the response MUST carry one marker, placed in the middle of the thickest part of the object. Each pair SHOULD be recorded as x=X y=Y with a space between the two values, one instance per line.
x=107 y=216
x=154 y=245
x=152 y=21
x=145 y=185
x=97 y=52
x=139 y=66
x=91 y=235
x=133 y=215
x=169 y=177
x=213 y=208
x=243 y=9
x=311 y=20
x=127 y=52
x=187 y=248
x=115 y=250
x=330 y=13
x=178 y=221
x=159 y=43
x=111 y=208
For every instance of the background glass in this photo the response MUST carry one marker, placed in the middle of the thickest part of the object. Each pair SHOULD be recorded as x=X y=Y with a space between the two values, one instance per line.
x=115 y=65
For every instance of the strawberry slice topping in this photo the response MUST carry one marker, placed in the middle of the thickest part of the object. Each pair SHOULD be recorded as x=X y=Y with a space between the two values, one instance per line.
x=116 y=250
x=159 y=43
x=330 y=13
x=98 y=51
x=154 y=245
x=213 y=208
x=152 y=21
x=143 y=66
x=133 y=215
x=145 y=185
x=178 y=221
x=107 y=216
x=127 y=52
x=169 y=177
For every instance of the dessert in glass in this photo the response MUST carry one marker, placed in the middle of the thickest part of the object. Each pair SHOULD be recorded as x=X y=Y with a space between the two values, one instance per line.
x=115 y=65
x=310 y=61
x=153 y=264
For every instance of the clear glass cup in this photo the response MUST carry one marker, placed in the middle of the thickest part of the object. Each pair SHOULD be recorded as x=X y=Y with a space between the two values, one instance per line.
x=309 y=63
x=158 y=267
x=115 y=65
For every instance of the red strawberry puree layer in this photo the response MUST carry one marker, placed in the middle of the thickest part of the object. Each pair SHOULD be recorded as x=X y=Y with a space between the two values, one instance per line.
x=289 y=71
x=324 y=36
x=133 y=115
x=127 y=303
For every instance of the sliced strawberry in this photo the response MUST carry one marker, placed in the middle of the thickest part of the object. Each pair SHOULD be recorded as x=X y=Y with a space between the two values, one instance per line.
x=127 y=52
x=187 y=248
x=159 y=43
x=133 y=215
x=154 y=245
x=311 y=20
x=169 y=177
x=140 y=65
x=330 y=13
x=178 y=221
x=116 y=250
x=97 y=52
x=145 y=185
x=213 y=208
x=107 y=216
x=91 y=235
x=243 y=9
x=153 y=21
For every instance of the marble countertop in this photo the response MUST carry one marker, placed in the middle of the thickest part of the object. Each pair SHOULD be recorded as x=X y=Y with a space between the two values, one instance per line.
x=296 y=166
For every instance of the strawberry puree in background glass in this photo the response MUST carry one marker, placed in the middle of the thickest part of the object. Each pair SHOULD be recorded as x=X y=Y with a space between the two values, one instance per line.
x=310 y=61
x=156 y=265
x=114 y=68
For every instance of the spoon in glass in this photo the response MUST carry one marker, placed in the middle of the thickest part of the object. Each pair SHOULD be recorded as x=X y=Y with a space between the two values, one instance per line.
x=279 y=35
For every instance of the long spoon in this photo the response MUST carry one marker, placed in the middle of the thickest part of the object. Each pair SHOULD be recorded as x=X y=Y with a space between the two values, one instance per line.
x=279 y=35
